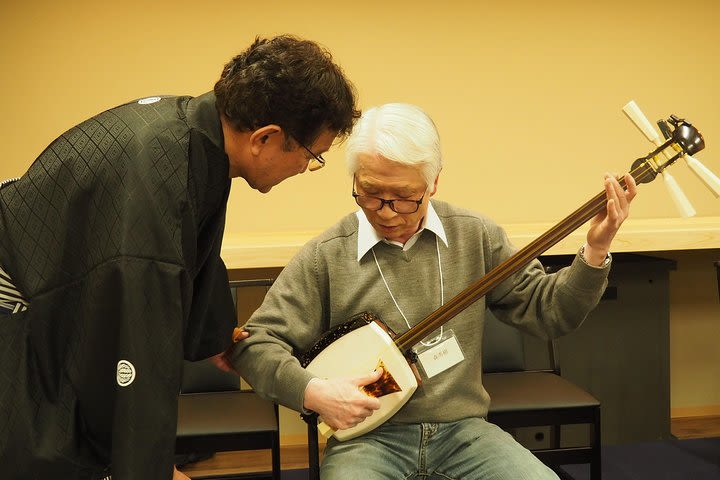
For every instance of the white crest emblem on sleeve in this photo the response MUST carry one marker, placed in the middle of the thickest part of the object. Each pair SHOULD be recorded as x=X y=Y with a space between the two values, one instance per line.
x=125 y=373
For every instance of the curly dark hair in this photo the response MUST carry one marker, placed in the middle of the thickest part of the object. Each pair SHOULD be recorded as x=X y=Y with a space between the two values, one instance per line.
x=289 y=82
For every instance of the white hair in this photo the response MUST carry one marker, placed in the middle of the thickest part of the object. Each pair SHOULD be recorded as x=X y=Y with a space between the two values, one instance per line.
x=399 y=132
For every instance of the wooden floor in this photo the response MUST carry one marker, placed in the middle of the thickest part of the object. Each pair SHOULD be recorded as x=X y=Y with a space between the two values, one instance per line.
x=295 y=456
x=695 y=427
x=292 y=457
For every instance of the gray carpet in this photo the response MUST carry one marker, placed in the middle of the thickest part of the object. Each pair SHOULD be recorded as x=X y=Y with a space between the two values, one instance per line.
x=697 y=459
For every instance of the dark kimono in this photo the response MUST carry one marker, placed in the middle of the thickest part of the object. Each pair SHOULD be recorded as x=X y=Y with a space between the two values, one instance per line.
x=113 y=237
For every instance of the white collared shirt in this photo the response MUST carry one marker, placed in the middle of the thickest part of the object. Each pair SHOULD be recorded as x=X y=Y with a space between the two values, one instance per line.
x=368 y=237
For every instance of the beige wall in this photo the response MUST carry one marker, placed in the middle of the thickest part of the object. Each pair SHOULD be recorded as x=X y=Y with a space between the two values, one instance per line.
x=527 y=96
x=694 y=333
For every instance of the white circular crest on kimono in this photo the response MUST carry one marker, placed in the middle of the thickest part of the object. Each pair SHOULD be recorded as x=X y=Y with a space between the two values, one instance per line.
x=125 y=373
x=148 y=100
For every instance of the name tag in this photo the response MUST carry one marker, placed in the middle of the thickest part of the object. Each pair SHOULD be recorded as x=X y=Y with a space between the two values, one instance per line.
x=442 y=355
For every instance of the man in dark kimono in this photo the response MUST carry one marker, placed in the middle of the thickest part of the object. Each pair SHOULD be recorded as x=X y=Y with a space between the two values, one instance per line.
x=110 y=268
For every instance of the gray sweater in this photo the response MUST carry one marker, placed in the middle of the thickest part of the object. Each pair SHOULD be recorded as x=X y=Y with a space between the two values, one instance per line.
x=324 y=285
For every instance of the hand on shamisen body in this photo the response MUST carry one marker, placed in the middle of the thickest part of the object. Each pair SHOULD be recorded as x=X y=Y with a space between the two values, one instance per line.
x=340 y=402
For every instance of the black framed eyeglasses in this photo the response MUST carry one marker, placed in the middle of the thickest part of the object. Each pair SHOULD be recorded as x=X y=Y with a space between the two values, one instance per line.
x=396 y=205
x=316 y=162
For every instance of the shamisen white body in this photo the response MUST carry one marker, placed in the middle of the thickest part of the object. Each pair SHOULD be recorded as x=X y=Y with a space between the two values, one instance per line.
x=356 y=353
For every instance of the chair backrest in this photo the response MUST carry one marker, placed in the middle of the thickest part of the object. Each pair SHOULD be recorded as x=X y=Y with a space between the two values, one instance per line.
x=203 y=376
x=503 y=349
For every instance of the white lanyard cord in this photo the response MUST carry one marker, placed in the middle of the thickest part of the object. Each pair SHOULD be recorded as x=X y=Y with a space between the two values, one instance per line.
x=442 y=293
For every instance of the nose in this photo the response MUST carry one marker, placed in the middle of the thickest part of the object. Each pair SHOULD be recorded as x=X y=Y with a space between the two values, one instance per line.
x=386 y=212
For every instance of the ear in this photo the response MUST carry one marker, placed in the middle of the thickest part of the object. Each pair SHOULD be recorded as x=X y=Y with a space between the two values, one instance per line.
x=263 y=136
x=435 y=184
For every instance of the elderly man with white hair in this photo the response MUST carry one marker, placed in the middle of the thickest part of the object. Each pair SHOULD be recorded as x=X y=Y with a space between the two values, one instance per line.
x=402 y=255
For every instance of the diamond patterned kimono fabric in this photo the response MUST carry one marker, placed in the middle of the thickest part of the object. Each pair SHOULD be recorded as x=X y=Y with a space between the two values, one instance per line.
x=112 y=238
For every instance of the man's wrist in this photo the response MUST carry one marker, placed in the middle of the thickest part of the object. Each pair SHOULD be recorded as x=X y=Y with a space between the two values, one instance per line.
x=306 y=410
x=594 y=257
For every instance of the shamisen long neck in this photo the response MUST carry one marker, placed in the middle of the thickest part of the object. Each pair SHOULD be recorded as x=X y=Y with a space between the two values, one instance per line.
x=524 y=256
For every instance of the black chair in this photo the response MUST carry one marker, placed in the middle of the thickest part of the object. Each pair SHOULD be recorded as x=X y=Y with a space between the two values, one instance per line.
x=313 y=451
x=538 y=398
x=215 y=415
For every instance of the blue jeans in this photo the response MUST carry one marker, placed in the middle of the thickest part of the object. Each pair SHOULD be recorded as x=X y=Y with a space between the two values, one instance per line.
x=470 y=449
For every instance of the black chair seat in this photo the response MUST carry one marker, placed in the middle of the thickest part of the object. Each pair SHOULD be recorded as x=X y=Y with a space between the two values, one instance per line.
x=228 y=421
x=229 y=418
x=523 y=391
